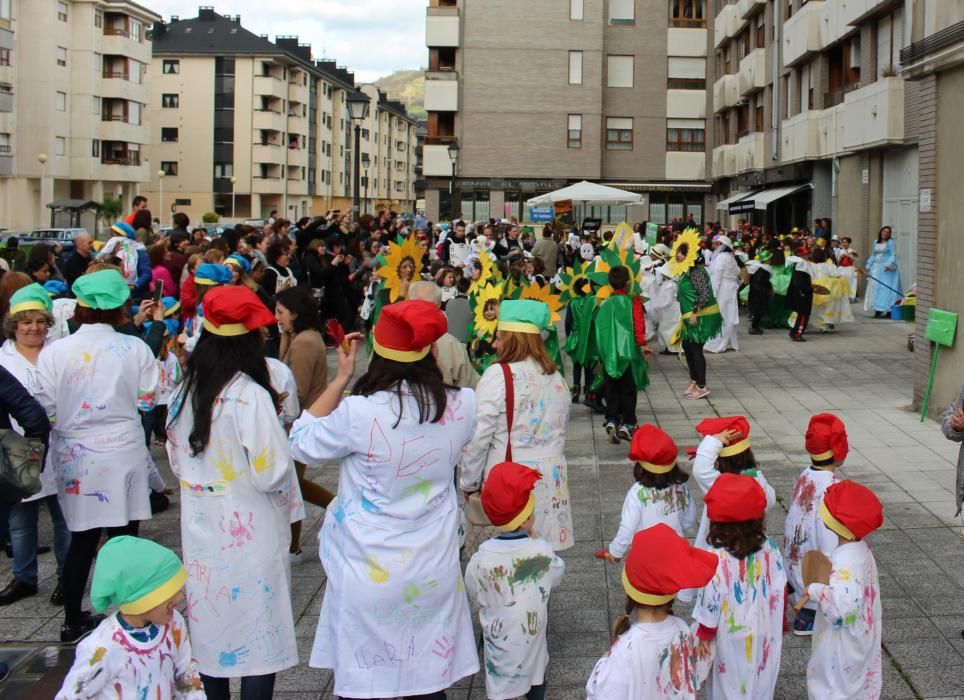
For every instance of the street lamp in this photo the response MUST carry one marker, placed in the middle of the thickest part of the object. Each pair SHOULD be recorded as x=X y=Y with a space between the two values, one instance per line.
x=234 y=181
x=42 y=159
x=357 y=111
x=160 y=203
x=366 y=160
x=454 y=157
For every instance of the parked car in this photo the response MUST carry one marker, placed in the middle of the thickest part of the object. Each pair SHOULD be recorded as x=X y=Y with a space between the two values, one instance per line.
x=64 y=236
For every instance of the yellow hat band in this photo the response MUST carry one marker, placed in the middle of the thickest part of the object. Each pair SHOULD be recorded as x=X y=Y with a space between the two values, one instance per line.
x=517 y=521
x=400 y=355
x=173 y=310
x=81 y=302
x=657 y=468
x=206 y=282
x=822 y=456
x=835 y=524
x=735 y=449
x=30 y=305
x=158 y=596
x=518 y=327
x=226 y=329
x=644 y=598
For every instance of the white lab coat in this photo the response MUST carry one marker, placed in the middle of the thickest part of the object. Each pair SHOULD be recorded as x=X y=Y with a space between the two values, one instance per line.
x=804 y=529
x=92 y=383
x=662 y=308
x=235 y=515
x=725 y=278
x=542 y=405
x=645 y=507
x=744 y=602
x=395 y=620
x=845 y=659
x=511 y=579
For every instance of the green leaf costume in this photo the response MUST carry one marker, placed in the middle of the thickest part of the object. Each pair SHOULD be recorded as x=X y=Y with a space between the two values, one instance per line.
x=616 y=341
x=709 y=321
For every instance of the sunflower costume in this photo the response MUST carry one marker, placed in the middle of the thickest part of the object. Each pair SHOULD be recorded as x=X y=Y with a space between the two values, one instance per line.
x=481 y=329
x=614 y=329
x=695 y=293
x=392 y=288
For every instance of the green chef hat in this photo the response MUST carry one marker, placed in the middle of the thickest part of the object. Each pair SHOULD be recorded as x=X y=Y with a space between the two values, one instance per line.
x=523 y=316
x=766 y=256
x=33 y=297
x=136 y=575
x=105 y=289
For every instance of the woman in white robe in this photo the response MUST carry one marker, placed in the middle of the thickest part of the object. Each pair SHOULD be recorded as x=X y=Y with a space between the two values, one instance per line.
x=662 y=309
x=725 y=278
x=395 y=619
x=229 y=451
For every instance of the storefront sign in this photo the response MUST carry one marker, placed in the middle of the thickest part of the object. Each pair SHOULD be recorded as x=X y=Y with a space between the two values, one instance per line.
x=742 y=206
x=541 y=215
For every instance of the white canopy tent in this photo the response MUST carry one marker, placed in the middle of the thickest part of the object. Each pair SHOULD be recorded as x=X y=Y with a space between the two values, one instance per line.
x=587 y=193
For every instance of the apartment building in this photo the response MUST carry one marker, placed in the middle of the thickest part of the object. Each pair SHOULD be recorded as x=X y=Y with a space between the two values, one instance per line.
x=244 y=126
x=812 y=118
x=73 y=123
x=542 y=93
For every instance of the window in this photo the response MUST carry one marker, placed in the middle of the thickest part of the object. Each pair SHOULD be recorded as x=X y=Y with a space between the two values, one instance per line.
x=60 y=146
x=224 y=134
x=789 y=9
x=761 y=30
x=687 y=13
x=890 y=39
x=758 y=113
x=61 y=56
x=136 y=30
x=806 y=88
x=169 y=167
x=134 y=113
x=95 y=149
x=168 y=134
x=622 y=11
x=170 y=100
x=60 y=101
x=575 y=67
x=223 y=170
x=686 y=135
x=4 y=9
x=686 y=73
x=98 y=22
x=619 y=133
x=170 y=66
x=619 y=71
x=4 y=57
x=574 y=133
x=575 y=9
x=5 y=149
x=62 y=11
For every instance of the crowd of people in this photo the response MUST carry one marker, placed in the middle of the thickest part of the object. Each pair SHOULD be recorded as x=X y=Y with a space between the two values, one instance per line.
x=452 y=478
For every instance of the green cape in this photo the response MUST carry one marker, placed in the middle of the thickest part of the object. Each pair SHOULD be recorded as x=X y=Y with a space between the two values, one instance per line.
x=616 y=341
x=778 y=316
x=581 y=343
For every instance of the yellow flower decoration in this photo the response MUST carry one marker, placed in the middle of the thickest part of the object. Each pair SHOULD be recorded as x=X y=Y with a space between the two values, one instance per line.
x=545 y=295
x=483 y=326
x=607 y=260
x=691 y=238
x=397 y=254
x=488 y=272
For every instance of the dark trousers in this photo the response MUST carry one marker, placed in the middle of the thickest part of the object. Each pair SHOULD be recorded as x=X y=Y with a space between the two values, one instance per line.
x=252 y=687
x=581 y=373
x=77 y=563
x=440 y=695
x=800 y=325
x=155 y=422
x=755 y=320
x=621 y=398
x=696 y=362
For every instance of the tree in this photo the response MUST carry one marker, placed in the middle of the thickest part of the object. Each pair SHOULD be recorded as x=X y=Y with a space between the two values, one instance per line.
x=109 y=210
x=210 y=217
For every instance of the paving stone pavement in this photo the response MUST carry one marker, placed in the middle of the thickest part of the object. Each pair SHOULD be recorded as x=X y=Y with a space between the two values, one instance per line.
x=861 y=372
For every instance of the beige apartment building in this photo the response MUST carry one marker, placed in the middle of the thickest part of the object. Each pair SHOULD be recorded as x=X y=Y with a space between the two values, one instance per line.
x=244 y=126
x=73 y=96
x=541 y=93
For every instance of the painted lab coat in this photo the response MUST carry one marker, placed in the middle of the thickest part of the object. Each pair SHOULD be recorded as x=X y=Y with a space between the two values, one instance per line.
x=662 y=308
x=882 y=264
x=510 y=579
x=744 y=602
x=235 y=515
x=542 y=405
x=845 y=657
x=111 y=663
x=804 y=529
x=62 y=312
x=651 y=661
x=645 y=507
x=92 y=383
x=725 y=278
x=395 y=619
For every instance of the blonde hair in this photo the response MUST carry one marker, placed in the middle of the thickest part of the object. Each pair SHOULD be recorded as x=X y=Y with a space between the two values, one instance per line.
x=516 y=347
x=214 y=256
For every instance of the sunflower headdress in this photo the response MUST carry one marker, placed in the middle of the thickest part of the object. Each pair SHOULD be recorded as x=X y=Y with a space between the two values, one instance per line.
x=481 y=325
x=546 y=296
x=398 y=252
x=488 y=273
x=608 y=259
x=572 y=279
x=691 y=239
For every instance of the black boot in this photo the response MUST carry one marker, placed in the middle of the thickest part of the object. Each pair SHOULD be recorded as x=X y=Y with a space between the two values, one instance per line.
x=17 y=590
x=73 y=632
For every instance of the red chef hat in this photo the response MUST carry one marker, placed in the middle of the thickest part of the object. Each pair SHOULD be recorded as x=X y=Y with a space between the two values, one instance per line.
x=851 y=510
x=712 y=426
x=507 y=497
x=234 y=310
x=661 y=563
x=653 y=450
x=826 y=438
x=406 y=330
x=735 y=498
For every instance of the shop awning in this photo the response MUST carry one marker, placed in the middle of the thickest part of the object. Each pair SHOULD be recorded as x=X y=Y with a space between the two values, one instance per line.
x=725 y=203
x=761 y=200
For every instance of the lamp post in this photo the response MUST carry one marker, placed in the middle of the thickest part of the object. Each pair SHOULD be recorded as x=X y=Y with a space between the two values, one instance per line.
x=454 y=157
x=160 y=202
x=42 y=159
x=234 y=181
x=366 y=161
x=357 y=111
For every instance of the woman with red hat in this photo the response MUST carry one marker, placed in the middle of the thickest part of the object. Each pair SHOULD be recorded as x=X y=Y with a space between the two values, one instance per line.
x=395 y=620
x=238 y=495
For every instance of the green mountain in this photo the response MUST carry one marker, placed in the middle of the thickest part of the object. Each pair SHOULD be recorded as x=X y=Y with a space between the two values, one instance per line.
x=408 y=87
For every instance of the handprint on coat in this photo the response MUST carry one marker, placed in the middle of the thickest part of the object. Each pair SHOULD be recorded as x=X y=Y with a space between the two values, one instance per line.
x=237 y=530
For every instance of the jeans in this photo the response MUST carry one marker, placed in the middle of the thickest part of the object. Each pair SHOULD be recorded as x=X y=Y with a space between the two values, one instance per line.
x=252 y=687
x=77 y=563
x=621 y=398
x=23 y=537
x=696 y=362
x=154 y=422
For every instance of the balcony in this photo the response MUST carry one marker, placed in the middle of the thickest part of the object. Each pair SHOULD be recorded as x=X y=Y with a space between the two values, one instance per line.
x=726 y=24
x=442 y=95
x=272 y=121
x=801 y=33
x=813 y=134
x=6 y=97
x=753 y=72
x=267 y=153
x=685 y=166
x=750 y=152
x=724 y=161
x=686 y=104
x=748 y=7
x=874 y=115
x=118 y=130
x=436 y=161
x=267 y=185
x=270 y=86
x=6 y=161
x=726 y=92
x=442 y=27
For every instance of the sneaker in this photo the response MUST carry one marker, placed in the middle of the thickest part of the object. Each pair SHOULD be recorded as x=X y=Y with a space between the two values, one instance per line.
x=575 y=393
x=803 y=623
x=625 y=432
x=690 y=388
x=698 y=393
x=57 y=597
x=611 y=432
x=295 y=558
x=73 y=633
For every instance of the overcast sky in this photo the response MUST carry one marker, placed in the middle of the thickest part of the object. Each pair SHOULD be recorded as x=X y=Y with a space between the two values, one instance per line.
x=371 y=37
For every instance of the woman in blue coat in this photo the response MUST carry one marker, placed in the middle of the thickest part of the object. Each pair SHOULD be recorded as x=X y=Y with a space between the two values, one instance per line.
x=882 y=266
